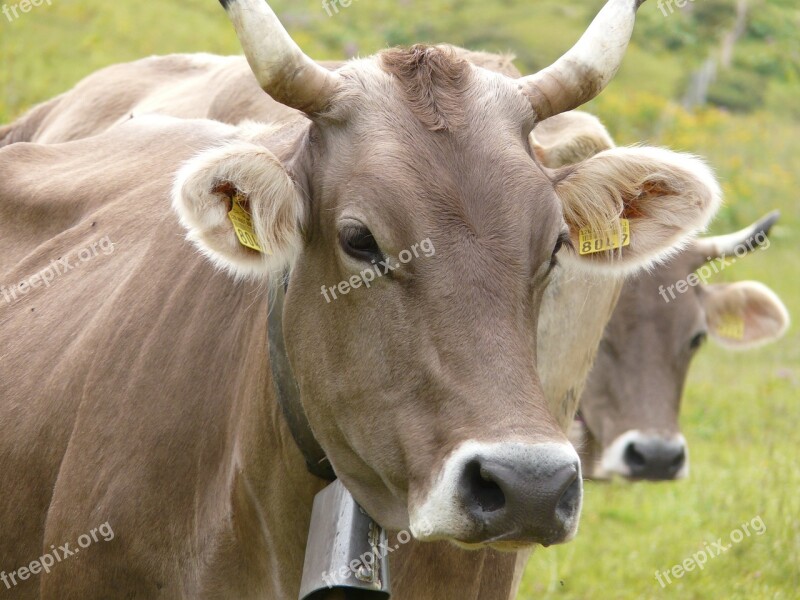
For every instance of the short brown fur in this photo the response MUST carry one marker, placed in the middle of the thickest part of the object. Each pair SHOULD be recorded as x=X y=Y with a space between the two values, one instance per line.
x=434 y=80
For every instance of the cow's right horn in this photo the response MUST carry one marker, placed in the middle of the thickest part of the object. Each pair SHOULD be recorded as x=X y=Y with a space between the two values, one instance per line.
x=282 y=70
x=588 y=67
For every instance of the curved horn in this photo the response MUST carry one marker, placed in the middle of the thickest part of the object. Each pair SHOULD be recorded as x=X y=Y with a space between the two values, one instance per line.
x=749 y=238
x=588 y=67
x=282 y=70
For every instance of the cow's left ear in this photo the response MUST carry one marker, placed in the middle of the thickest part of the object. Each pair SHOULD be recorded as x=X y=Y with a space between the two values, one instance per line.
x=744 y=315
x=241 y=209
x=651 y=199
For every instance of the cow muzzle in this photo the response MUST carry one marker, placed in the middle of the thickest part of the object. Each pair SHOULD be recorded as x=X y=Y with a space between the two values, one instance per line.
x=506 y=495
x=639 y=455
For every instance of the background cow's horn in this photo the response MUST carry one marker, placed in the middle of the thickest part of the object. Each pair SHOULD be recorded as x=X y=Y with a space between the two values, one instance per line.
x=749 y=238
x=588 y=67
x=282 y=70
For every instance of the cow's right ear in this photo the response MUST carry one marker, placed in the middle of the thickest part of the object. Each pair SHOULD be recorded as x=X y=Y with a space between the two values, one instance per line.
x=662 y=198
x=743 y=315
x=241 y=209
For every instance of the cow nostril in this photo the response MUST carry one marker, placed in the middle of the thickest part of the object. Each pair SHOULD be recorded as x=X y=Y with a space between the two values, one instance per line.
x=678 y=461
x=528 y=494
x=482 y=489
x=633 y=457
x=654 y=458
x=570 y=499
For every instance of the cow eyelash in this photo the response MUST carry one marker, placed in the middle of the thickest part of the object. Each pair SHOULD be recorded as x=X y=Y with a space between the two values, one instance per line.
x=357 y=241
x=563 y=240
x=698 y=340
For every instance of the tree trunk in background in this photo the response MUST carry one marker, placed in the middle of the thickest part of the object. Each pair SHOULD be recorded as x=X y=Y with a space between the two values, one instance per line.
x=702 y=78
x=734 y=35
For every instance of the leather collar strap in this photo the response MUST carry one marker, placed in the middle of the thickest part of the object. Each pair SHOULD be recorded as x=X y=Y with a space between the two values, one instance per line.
x=288 y=393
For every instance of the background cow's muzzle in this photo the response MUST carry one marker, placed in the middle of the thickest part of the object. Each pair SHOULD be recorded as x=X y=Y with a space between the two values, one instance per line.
x=641 y=455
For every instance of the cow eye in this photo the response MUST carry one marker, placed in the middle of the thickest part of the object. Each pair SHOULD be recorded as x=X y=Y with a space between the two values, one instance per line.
x=562 y=239
x=358 y=242
x=698 y=340
x=559 y=244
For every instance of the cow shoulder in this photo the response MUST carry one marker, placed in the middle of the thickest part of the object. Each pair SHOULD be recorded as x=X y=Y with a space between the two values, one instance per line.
x=114 y=94
x=26 y=127
x=48 y=189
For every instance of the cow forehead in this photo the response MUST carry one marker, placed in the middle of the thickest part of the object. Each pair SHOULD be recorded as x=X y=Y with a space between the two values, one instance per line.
x=648 y=345
x=431 y=87
x=423 y=135
x=645 y=292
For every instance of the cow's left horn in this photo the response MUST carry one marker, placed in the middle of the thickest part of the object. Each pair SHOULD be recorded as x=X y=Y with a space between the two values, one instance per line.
x=282 y=70
x=738 y=243
x=588 y=67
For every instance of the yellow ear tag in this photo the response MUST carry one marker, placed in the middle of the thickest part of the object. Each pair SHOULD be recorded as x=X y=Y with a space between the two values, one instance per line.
x=731 y=326
x=591 y=241
x=243 y=225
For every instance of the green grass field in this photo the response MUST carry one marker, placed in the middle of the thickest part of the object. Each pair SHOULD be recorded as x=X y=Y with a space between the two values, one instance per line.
x=741 y=410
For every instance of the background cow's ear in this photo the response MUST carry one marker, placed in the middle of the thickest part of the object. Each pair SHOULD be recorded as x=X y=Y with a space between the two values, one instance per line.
x=744 y=315
x=569 y=138
x=241 y=209
x=664 y=196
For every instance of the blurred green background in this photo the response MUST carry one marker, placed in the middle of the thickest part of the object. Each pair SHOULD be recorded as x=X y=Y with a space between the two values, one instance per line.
x=720 y=78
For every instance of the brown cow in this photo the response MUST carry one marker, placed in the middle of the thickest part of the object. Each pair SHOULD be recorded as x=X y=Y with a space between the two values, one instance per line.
x=628 y=423
x=629 y=410
x=224 y=87
x=406 y=447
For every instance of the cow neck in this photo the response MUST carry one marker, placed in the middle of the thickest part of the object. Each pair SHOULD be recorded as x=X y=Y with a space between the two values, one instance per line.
x=287 y=392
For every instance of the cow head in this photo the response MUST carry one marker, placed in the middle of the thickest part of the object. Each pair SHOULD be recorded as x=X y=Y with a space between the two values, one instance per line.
x=632 y=400
x=421 y=234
